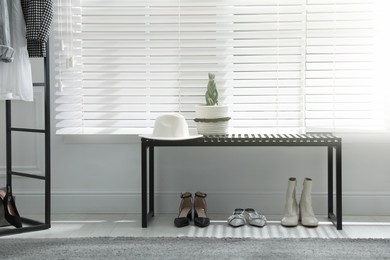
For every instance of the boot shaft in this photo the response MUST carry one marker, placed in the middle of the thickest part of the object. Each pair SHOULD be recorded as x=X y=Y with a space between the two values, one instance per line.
x=306 y=191
x=290 y=218
x=306 y=212
x=307 y=186
x=291 y=187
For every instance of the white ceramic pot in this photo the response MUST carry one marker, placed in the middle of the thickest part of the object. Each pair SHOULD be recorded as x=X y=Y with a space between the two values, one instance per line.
x=212 y=120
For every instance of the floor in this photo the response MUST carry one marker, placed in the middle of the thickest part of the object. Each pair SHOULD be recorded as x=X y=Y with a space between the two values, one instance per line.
x=114 y=225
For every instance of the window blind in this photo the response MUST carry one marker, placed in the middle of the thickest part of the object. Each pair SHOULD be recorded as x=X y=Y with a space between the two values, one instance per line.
x=69 y=66
x=277 y=63
x=339 y=66
x=268 y=42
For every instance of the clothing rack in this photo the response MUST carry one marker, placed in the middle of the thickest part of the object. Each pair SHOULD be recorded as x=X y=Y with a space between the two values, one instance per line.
x=30 y=224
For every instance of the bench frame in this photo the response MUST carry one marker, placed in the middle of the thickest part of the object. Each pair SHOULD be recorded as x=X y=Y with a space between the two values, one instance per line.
x=332 y=143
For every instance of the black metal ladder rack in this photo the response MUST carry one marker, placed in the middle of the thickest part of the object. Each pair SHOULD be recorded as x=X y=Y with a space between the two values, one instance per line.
x=32 y=225
x=329 y=141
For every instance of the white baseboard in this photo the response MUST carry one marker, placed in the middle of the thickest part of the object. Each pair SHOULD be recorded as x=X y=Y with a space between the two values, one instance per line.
x=219 y=203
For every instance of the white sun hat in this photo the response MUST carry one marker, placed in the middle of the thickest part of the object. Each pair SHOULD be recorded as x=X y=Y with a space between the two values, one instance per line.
x=171 y=127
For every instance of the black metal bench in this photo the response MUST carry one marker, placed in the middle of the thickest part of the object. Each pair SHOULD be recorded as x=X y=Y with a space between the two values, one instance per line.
x=330 y=141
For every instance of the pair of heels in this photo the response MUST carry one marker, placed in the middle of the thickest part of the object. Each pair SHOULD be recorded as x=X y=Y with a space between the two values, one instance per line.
x=11 y=214
x=187 y=205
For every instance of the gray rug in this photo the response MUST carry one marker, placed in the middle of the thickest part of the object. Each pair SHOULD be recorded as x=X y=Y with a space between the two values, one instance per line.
x=193 y=248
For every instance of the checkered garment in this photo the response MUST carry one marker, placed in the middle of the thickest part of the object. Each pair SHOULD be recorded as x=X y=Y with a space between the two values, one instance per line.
x=38 y=15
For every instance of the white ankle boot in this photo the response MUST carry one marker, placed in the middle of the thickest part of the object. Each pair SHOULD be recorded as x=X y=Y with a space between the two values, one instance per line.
x=290 y=218
x=306 y=214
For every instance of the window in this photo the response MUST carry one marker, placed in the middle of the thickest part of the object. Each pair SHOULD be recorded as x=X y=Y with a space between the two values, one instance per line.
x=281 y=65
x=339 y=90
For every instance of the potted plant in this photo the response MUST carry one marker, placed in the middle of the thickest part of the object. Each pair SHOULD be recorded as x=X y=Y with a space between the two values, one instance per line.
x=212 y=118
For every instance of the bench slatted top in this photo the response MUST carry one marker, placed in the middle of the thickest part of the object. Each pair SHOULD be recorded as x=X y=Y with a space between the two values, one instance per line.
x=320 y=139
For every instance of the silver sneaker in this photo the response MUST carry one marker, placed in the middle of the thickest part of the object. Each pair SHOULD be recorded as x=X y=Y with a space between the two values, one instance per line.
x=237 y=219
x=254 y=218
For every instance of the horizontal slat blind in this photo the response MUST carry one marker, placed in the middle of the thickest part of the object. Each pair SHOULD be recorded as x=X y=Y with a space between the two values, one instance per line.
x=68 y=62
x=131 y=64
x=339 y=68
x=267 y=65
x=280 y=64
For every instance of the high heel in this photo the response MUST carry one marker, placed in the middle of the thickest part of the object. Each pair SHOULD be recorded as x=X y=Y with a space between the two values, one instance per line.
x=185 y=210
x=11 y=214
x=3 y=221
x=200 y=208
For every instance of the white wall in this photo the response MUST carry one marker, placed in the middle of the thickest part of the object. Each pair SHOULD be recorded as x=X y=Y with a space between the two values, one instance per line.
x=101 y=174
x=97 y=178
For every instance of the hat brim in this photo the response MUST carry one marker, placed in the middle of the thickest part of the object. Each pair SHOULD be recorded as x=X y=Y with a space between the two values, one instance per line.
x=171 y=138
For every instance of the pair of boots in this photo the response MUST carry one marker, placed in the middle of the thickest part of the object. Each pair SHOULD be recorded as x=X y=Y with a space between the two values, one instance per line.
x=305 y=213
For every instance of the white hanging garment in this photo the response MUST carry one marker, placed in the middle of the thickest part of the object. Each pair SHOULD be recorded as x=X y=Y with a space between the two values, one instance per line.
x=15 y=77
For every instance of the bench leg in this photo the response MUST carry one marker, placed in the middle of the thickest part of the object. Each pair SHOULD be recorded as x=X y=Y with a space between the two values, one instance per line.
x=330 y=181
x=336 y=218
x=151 y=181
x=339 y=186
x=144 y=181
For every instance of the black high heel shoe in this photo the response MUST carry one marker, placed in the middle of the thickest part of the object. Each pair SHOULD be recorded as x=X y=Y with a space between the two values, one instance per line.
x=11 y=214
x=200 y=208
x=185 y=210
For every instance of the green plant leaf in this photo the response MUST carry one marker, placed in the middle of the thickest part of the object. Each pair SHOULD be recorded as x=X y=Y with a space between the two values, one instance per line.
x=212 y=92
